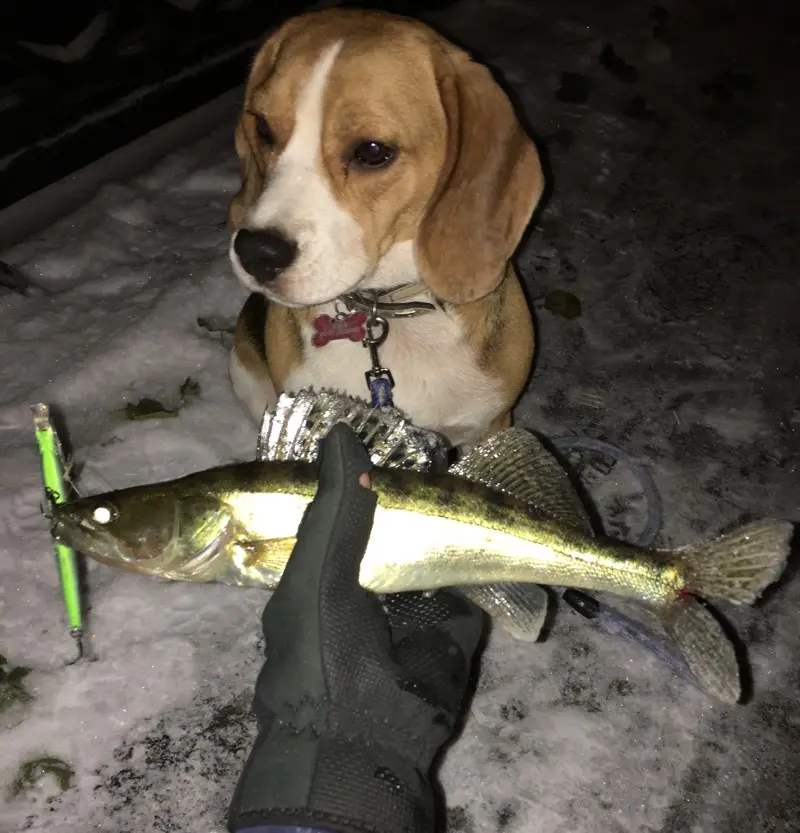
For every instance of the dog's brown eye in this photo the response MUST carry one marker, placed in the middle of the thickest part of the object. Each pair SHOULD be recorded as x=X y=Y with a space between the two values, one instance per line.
x=263 y=130
x=373 y=155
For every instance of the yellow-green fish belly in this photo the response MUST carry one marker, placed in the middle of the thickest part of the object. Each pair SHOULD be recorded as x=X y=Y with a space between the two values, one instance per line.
x=410 y=551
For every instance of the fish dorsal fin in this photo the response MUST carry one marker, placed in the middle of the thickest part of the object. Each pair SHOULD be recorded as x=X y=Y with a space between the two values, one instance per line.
x=515 y=462
x=294 y=428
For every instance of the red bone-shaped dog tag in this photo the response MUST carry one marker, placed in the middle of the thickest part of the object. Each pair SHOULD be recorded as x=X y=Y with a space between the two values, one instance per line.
x=330 y=329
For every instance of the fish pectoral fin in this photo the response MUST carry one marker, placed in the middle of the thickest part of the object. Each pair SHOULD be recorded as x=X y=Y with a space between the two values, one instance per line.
x=267 y=553
x=516 y=462
x=705 y=646
x=520 y=609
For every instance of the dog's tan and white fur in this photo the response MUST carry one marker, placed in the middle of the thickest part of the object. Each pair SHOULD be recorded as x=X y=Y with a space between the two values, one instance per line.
x=448 y=211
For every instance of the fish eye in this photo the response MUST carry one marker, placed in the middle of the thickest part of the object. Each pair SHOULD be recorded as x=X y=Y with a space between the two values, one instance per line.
x=104 y=514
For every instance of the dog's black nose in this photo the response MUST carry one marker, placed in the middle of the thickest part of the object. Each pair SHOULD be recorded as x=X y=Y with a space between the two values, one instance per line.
x=264 y=254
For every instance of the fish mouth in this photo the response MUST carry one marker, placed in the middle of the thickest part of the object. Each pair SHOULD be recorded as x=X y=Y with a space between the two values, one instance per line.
x=173 y=561
x=90 y=543
x=73 y=534
x=98 y=544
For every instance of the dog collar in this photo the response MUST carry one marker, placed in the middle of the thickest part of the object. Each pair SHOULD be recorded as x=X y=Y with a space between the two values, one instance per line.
x=403 y=301
x=365 y=319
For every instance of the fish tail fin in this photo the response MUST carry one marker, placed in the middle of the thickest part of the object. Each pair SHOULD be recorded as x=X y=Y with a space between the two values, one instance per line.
x=705 y=647
x=740 y=565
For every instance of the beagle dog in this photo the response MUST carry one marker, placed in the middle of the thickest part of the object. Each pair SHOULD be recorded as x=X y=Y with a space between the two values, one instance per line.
x=384 y=173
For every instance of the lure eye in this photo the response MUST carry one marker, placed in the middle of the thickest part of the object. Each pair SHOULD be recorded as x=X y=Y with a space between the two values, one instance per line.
x=104 y=514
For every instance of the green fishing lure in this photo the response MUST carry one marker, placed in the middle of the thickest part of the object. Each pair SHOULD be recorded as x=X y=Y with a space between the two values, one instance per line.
x=52 y=459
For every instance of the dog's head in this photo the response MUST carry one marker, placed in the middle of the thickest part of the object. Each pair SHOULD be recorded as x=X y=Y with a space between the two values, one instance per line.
x=361 y=131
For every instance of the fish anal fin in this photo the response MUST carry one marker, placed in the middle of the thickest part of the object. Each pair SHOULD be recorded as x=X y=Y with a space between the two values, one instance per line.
x=519 y=609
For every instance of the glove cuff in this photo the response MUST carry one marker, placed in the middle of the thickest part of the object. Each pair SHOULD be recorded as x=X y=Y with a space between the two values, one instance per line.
x=331 y=784
x=298 y=821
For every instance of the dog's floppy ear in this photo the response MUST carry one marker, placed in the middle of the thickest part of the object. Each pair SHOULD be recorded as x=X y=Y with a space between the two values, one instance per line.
x=252 y=180
x=245 y=140
x=487 y=191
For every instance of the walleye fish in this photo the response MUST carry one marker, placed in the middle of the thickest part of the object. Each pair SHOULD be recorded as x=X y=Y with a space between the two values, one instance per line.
x=506 y=513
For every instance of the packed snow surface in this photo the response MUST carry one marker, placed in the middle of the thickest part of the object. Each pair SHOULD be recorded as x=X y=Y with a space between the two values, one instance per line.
x=671 y=228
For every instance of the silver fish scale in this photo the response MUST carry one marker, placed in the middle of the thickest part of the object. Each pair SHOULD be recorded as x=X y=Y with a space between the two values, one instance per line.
x=294 y=428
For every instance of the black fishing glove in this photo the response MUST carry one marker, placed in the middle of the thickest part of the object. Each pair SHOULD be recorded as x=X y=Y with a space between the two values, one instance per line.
x=354 y=700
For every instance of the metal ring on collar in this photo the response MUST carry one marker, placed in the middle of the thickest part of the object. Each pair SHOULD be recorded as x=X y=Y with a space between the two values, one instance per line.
x=372 y=322
x=390 y=310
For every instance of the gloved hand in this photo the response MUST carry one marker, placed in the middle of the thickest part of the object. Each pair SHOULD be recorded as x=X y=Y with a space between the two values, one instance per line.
x=354 y=700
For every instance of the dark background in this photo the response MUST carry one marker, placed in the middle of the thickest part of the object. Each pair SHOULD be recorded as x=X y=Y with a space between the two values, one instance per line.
x=80 y=78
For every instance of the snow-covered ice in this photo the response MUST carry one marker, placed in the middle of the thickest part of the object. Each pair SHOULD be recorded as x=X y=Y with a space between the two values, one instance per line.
x=674 y=222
